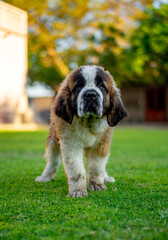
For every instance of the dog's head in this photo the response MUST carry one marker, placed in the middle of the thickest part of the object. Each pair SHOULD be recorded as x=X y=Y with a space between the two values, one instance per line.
x=89 y=91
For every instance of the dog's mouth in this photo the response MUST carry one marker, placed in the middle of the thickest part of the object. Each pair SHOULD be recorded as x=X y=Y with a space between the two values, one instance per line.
x=91 y=108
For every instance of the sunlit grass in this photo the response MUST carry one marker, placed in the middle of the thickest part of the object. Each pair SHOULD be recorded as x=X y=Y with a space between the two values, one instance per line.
x=134 y=207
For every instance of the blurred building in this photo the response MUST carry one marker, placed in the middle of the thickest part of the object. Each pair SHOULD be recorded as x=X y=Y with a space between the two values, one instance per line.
x=40 y=100
x=13 y=65
x=146 y=104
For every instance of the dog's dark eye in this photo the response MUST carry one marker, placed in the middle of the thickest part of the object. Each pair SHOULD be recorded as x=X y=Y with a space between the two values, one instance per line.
x=77 y=88
x=101 y=85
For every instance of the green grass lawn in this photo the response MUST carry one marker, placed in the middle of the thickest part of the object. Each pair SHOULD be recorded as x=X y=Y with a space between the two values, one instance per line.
x=134 y=207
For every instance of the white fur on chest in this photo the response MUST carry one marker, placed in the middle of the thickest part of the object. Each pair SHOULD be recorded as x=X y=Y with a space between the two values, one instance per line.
x=81 y=135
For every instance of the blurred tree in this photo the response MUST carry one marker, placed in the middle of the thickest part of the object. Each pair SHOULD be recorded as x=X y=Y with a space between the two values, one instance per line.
x=146 y=59
x=66 y=34
x=102 y=35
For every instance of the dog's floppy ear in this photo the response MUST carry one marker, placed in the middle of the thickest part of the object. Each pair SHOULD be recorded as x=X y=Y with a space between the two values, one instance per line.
x=63 y=105
x=116 y=111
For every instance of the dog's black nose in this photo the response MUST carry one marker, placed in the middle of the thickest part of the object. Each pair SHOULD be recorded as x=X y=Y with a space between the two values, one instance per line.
x=91 y=94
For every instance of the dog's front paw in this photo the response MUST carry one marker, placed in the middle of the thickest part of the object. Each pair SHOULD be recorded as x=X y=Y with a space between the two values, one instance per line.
x=108 y=179
x=78 y=193
x=43 y=178
x=97 y=187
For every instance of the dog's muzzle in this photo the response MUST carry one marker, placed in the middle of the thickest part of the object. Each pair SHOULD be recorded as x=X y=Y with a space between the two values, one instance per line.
x=91 y=102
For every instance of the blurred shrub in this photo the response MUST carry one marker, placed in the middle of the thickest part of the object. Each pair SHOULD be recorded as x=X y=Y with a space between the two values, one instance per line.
x=128 y=38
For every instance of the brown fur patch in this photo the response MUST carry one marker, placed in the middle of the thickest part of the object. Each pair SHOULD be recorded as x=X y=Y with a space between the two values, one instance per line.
x=53 y=136
x=103 y=147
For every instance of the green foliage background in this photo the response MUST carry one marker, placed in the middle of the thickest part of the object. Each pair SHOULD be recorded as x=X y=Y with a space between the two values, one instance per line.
x=128 y=38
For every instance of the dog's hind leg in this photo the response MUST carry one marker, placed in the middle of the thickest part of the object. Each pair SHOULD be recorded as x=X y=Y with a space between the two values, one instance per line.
x=108 y=179
x=53 y=157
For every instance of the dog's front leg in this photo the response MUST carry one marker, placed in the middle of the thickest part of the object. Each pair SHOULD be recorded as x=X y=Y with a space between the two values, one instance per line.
x=96 y=171
x=72 y=156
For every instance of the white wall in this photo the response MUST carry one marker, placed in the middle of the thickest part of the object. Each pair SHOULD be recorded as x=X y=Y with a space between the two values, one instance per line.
x=13 y=59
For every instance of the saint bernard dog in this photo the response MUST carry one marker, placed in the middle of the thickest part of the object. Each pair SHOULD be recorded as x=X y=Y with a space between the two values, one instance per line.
x=87 y=107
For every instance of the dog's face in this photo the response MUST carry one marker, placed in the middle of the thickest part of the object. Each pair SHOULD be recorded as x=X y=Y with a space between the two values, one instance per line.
x=90 y=91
